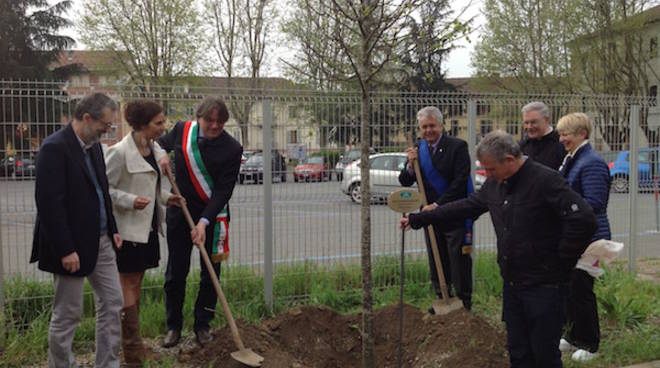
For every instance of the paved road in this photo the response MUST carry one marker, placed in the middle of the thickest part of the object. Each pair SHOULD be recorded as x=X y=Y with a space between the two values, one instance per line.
x=312 y=221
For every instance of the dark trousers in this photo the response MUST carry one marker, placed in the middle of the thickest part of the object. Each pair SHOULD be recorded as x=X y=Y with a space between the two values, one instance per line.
x=582 y=325
x=456 y=266
x=534 y=319
x=179 y=245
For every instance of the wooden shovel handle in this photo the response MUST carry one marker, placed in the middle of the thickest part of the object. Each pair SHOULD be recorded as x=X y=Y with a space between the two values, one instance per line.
x=209 y=267
x=434 y=243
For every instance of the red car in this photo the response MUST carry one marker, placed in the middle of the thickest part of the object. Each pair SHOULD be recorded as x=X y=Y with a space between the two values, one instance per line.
x=315 y=168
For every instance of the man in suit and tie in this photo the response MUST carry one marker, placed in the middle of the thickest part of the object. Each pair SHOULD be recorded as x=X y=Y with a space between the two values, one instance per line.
x=75 y=231
x=445 y=167
x=206 y=163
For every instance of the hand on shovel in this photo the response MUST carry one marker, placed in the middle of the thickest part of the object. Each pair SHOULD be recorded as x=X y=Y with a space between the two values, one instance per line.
x=198 y=234
x=403 y=223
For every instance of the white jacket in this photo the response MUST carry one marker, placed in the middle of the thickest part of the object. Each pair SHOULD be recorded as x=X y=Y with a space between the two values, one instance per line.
x=130 y=176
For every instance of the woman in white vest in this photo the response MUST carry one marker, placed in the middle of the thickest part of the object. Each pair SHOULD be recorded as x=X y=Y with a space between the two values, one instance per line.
x=135 y=189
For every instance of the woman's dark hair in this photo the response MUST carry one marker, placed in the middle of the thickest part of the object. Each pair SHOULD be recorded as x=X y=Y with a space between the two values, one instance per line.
x=139 y=113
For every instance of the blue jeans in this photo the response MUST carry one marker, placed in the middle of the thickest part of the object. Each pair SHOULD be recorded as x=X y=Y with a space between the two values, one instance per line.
x=534 y=319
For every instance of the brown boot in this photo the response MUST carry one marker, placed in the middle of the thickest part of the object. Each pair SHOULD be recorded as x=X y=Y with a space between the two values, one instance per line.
x=131 y=343
x=148 y=353
x=135 y=353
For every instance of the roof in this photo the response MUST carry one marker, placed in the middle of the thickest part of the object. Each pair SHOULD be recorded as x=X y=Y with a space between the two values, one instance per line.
x=89 y=60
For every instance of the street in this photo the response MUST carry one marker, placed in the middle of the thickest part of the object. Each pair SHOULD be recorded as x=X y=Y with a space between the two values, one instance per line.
x=311 y=222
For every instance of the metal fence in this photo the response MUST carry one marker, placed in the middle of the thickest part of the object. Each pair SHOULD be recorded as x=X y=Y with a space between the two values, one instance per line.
x=293 y=219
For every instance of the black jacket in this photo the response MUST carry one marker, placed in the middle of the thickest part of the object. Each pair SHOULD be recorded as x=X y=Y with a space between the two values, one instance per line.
x=542 y=226
x=67 y=204
x=547 y=150
x=222 y=158
x=452 y=161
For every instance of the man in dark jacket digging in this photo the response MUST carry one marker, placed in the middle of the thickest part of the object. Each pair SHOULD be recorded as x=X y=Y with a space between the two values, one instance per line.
x=542 y=228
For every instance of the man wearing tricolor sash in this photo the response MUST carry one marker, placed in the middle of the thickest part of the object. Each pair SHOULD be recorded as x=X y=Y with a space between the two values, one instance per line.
x=206 y=162
x=445 y=165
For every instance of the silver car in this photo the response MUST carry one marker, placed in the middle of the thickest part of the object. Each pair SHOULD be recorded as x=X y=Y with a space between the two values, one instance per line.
x=384 y=176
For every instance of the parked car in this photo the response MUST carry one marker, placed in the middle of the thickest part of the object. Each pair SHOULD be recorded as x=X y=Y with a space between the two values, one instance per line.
x=479 y=175
x=383 y=175
x=246 y=155
x=346 y=159
x=315 y=168
x=620 y=169
x=19 y=166
x=253 y=169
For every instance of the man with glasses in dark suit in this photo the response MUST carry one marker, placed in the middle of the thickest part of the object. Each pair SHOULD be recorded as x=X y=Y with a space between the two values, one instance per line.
x=75 y=231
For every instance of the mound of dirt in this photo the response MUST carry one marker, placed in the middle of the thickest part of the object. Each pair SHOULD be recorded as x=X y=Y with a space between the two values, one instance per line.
x=314 y=337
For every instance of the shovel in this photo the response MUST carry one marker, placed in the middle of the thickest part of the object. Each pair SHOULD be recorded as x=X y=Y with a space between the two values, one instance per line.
x=447 y=304
x=403 y=201
x=243 y=355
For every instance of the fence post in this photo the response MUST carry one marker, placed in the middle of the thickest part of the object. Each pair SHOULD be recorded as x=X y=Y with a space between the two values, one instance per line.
x=472 y=148
x=633 y=185
x=3 y=332
x=267 y=130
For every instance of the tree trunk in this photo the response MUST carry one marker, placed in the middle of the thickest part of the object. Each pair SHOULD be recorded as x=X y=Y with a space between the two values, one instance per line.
x=365 y=238
x=368 y=358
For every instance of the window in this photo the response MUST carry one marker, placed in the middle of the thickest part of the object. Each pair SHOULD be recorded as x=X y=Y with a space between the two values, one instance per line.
x=512 y=127
x=454 y=128
x=642 y=157
x=294 y=112
x=380 y=163
x=653 y=47
x=400 y=163
x=483 y=108
x=292 y=136
x=486 y=127
x=653 y=96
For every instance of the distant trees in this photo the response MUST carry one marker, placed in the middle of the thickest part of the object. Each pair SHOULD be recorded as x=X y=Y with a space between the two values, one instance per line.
x=576 y=46
x=29 y=39
x=154 y=41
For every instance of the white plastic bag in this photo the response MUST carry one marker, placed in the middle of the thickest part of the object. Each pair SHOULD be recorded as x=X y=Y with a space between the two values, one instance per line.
x=600 y=251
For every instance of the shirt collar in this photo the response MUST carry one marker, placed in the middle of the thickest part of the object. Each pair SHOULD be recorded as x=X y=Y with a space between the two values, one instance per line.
x=584 y=143
x=435 y=144
x=84 y=146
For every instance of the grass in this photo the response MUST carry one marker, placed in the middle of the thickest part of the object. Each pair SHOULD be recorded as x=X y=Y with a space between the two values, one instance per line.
x=629 y=308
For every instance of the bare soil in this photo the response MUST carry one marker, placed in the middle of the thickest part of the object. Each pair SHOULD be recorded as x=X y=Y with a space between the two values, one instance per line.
x=312 y=336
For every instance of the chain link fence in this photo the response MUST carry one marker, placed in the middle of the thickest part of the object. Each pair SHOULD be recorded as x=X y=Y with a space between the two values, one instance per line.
x=298 y=215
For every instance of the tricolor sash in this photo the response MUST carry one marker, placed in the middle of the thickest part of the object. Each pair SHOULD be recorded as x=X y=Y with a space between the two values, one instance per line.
x=203 y=185
x=440 y=185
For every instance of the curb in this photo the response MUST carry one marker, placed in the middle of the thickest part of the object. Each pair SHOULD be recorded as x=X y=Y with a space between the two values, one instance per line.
x=654 y=364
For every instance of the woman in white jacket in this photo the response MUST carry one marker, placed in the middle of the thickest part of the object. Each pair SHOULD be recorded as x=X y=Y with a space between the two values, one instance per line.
x=135 y=189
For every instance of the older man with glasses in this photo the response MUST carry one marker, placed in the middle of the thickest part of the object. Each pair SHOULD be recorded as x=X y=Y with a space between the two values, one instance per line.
x=75 y=234
x=541 y=141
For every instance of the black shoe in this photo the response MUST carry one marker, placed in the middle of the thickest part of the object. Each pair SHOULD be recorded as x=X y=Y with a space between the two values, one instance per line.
x=431 y=310
x=171 y=339
x=203 y=337
x=467 y=304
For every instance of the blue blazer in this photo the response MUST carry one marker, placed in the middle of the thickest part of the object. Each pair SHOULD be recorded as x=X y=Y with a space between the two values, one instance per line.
x=588 y=174
x=67 y=204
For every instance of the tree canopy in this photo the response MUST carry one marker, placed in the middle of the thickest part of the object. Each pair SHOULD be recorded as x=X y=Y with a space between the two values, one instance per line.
x=29 y=39
x=155 y=41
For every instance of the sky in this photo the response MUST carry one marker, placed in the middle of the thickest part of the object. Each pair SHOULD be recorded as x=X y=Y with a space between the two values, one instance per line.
x=457 y=63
